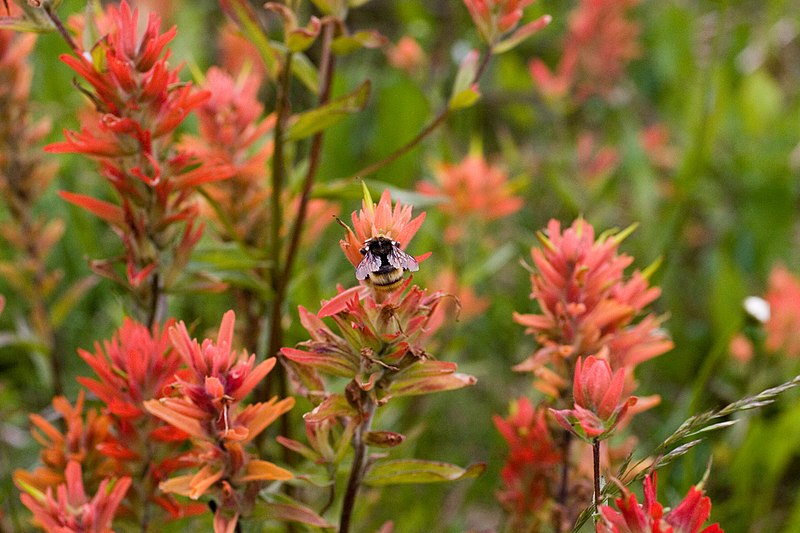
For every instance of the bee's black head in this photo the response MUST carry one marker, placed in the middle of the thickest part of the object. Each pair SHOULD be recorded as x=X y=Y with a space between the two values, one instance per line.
x=380 y=246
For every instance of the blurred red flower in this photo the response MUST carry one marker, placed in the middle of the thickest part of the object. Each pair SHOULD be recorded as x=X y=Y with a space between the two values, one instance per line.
x=632 y=517
x=530 y=471
x=783 y=325
x=600 y=42
x=406 y=55
x=471 y=188
x=70 y=509
x=80 y=441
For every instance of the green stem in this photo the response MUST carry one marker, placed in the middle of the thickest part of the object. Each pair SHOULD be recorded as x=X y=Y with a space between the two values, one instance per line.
x=427 y=130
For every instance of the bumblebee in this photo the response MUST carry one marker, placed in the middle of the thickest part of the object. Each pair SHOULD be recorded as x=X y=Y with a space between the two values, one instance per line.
x=384 y=263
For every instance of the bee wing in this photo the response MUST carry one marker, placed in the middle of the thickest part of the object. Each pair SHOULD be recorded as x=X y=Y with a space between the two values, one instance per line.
x=399 y=259
x=370 y=263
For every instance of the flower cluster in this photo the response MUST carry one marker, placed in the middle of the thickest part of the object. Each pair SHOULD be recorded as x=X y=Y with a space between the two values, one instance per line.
x=82 y=441
x=471 y=188
x=378 y=345
x=138 y=103
x=600 y=43
x=591 y=335
x=134 y=366
x=379 y=221
x=232 y=129
x=588 y=306
x=70 y=509
x=599 y=402
x=529 y=474
x=24 y=178
x=207 y=404
x=649 y=517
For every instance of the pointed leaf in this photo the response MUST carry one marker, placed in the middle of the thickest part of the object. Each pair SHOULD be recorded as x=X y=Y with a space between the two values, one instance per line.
x=333 y=405
x=61 y=308
x=293 y=512
x=426 y=377
x=313 y=121
x=334 y=364
x=466 y=98
x=521 y=34
x=347 y=44
x=404 y=471
x=109 y=212
x=467 y=71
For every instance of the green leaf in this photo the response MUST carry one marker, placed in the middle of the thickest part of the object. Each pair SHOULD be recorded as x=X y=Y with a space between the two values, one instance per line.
x=466 y=98
x=347 y=44
x=293 y=512
x=405 y=471
x=227 y=256
x=61 y=308
x=271 y=52
x=331 y=7
x=464 y=83
x=521 y=34
x=251 y=29
x=310 y=122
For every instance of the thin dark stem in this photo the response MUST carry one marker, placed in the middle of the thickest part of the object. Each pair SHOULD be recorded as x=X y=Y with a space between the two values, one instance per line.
x=563 y=491
x=278 y=177
x=60 y=28
x=327 y=64
x=359 y=465
x=278 y=167
x=427 y=130
x=596 y=461
x=410 y=145
x=157 y=302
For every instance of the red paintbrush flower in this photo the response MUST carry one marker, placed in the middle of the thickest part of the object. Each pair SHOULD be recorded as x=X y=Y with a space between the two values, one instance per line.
x=588 y=305
x=600 y=43
x=380 y=220
x=81 y=441
x=649 y=517
x=207 y=404
x=471 y=188
x=529 y=473
x=139 y=101
x=70 y=509
x=599 y=400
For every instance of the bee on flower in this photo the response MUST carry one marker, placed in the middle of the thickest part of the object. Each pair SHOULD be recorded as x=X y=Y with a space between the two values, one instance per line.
x=376 y=243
